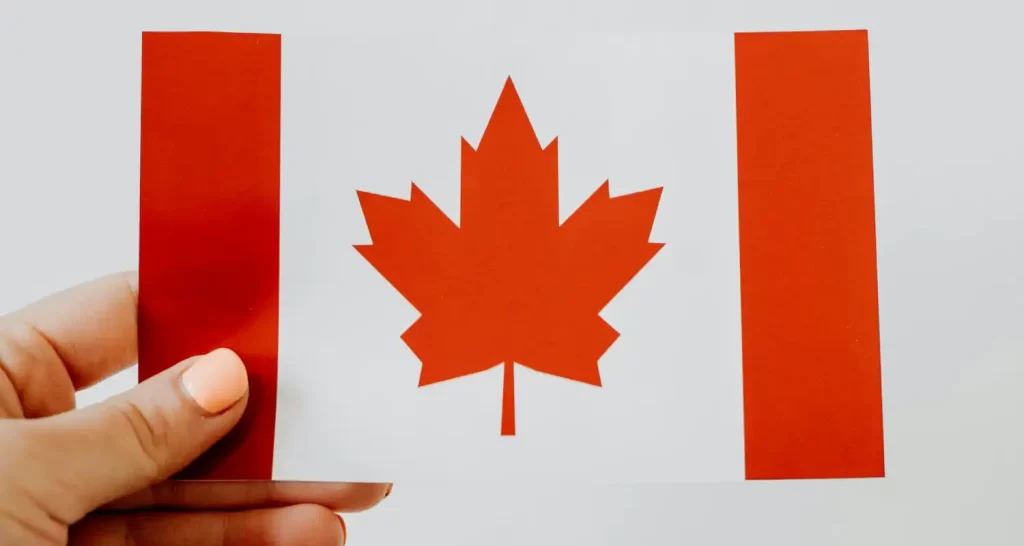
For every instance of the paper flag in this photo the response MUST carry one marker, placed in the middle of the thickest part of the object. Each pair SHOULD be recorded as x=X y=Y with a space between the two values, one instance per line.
x=597 y=256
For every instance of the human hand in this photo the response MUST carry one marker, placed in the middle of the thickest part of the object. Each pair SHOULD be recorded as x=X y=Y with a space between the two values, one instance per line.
x=98 y=475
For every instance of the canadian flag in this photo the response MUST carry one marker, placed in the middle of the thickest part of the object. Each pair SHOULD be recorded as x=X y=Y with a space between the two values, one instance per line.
x=609 y=257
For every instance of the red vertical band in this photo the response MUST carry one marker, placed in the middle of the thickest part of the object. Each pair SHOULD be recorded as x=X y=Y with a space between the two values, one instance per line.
x=811 y=364
x=209 y=226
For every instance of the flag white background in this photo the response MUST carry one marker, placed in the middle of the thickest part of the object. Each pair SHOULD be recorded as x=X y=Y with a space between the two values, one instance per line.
x=372 y=111
x=946 y=111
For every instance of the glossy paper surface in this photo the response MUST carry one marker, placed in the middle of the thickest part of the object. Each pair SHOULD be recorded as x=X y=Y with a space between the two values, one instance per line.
x=621 y=257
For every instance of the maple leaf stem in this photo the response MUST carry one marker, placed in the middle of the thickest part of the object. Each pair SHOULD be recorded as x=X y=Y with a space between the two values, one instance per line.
x=508 y=401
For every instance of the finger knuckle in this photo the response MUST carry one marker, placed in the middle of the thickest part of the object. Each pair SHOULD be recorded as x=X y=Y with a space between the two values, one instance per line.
x=12 y=357
x=149 y=438
x=33 y=379
x=17 y=360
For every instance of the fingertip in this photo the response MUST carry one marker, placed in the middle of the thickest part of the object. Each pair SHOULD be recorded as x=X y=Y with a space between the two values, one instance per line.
x=216 y=381
x=306 y=524
x=131 y=277
x=364 y=496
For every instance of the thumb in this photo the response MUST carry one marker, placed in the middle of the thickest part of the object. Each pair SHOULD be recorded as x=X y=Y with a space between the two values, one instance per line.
x=112 y=449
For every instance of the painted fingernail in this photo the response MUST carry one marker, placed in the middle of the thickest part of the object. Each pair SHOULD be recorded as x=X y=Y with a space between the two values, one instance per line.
x=387 y=492
x=216 y=380
x=344 y=531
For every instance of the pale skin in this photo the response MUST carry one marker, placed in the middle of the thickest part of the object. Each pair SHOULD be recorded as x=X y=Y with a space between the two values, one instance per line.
x=99 y=475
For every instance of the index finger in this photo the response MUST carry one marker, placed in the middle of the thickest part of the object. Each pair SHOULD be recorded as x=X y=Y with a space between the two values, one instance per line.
x=92 y=326
x=239 y=495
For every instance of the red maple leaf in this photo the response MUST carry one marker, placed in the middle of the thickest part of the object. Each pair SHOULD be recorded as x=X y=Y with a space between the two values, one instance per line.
x=509 y=284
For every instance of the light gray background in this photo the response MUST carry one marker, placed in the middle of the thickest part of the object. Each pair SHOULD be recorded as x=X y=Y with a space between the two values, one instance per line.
x=947 y=117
